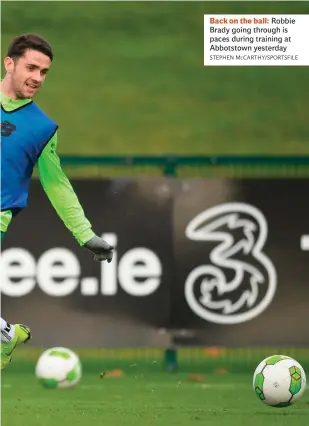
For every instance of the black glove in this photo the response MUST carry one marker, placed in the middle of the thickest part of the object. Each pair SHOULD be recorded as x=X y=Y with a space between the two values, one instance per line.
x=100 y=248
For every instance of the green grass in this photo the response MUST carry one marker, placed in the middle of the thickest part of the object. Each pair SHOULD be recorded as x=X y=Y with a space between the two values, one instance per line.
x=128 y=78
x=146 y=394
x=142 y=398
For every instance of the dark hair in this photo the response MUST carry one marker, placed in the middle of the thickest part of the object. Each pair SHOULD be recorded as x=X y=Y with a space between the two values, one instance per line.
x=24 y=42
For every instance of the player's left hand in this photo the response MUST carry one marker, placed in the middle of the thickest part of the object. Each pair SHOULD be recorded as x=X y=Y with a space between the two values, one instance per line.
x=100 y=248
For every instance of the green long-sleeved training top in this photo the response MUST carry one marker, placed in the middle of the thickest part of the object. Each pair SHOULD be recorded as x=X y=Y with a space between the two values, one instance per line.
x=56 y=185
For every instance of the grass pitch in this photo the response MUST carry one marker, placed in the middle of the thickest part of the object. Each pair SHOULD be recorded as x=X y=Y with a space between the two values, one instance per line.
x=140 y=397
x=128 y=78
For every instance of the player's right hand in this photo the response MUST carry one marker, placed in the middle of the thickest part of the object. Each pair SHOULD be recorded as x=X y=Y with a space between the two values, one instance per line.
x=100 y=248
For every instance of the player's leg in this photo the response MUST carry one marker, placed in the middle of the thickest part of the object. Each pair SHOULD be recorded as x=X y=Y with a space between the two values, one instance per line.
x=7 y=331
x=11 y=336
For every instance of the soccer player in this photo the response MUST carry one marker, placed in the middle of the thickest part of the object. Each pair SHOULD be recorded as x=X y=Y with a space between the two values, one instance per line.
x=29 y=137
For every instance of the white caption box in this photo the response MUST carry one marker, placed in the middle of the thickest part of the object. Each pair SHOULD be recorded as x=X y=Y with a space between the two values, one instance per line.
x=260 y=40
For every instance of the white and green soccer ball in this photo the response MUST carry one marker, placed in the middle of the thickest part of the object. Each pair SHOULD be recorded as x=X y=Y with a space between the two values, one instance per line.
x=58 y=368
x=279 y=381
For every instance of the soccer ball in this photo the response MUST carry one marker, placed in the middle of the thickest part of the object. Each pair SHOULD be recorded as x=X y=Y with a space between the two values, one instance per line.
x=279 y=381
x=58 y=368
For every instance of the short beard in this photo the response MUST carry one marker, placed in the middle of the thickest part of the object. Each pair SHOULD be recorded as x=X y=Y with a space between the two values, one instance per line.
x=19 y=95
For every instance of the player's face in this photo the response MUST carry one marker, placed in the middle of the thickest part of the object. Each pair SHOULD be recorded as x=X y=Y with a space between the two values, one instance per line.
x=28 y=73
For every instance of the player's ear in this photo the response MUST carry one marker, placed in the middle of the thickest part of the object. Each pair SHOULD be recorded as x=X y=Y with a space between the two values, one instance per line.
x=9 y=64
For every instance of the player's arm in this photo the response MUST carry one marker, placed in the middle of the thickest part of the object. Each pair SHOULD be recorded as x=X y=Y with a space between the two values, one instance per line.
x=63 y=198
